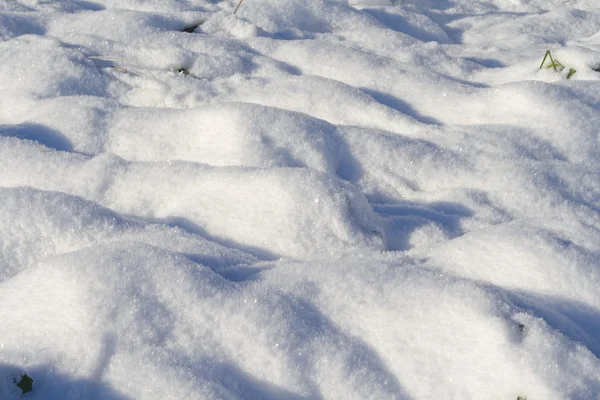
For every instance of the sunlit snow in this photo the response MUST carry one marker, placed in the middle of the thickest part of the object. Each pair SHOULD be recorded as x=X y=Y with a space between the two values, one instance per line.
x=307 y=199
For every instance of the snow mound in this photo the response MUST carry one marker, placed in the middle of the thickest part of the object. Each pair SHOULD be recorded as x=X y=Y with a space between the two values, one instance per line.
x=120 y=313
x=299 y=199
x=39 y=224
x=226 y=203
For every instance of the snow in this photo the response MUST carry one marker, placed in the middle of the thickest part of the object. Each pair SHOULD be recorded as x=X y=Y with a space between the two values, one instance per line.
x=307 y=199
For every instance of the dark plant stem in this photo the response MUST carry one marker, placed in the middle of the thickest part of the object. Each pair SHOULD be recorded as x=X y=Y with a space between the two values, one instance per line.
x=238 y=6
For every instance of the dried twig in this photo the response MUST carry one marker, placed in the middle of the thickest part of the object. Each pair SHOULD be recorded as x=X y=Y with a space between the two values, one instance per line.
x=238 y=6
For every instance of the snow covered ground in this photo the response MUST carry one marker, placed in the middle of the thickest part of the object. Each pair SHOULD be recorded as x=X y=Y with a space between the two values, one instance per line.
x=308 y=199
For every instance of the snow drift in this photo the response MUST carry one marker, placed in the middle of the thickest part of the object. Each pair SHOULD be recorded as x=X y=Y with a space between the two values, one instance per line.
x=314 y=199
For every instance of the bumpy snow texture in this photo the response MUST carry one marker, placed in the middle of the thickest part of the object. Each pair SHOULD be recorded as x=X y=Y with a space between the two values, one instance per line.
x=308 y=199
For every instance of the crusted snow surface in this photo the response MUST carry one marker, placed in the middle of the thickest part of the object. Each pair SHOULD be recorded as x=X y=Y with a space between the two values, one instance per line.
x=307 y=199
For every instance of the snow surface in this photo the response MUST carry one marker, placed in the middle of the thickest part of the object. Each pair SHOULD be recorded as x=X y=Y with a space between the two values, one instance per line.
x=308 y=199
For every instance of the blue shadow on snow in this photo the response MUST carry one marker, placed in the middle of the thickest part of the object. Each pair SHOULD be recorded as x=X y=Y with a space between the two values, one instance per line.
x=50 y=384
x=38 y=133
x=400 y=105
x=402 y=219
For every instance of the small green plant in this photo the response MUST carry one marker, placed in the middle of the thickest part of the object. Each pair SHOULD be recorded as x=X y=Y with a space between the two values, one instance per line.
x=25 y=384
x=556 y=65
x=521 y=398
x=119 y=69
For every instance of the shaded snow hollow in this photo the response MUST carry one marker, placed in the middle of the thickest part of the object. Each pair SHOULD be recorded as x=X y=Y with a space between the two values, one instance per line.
x=309 y=199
